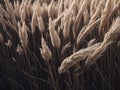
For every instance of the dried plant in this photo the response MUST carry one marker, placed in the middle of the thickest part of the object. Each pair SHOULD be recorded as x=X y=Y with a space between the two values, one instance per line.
x=54 y=35
x=76 y=57
x=59 y=44
x=45 y=51
x=23 y=34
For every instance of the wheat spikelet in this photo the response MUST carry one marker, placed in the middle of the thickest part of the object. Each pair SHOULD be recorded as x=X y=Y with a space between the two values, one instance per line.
x=109 y=38
x=34 y=22
x=86 y=31
x=52 y=10
x=55 y=39
x=114 y=31
x=9 y=9
x=76 y=57
x=91 y=42
x=66 y=4
x=65 y=48
x=97 y=12
x=60 y=8
x=92 y=7
x=79 y=35
x=45 y=51
x=23 y=34
x=4 y=12
x=58 y=19
x=41 y=24
x=16 y=8
x=67 y=24
x=86 y=16
x=23 y=15
x=78 y=17
x=28 y=8
x=115 y=9
x=83 y=33
x=96 y=54
x=105 y=15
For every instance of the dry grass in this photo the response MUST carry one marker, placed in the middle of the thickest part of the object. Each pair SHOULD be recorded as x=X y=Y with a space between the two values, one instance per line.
x=57 y=42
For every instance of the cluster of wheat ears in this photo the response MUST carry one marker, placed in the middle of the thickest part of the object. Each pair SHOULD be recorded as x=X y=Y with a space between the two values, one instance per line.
x=72 y=34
